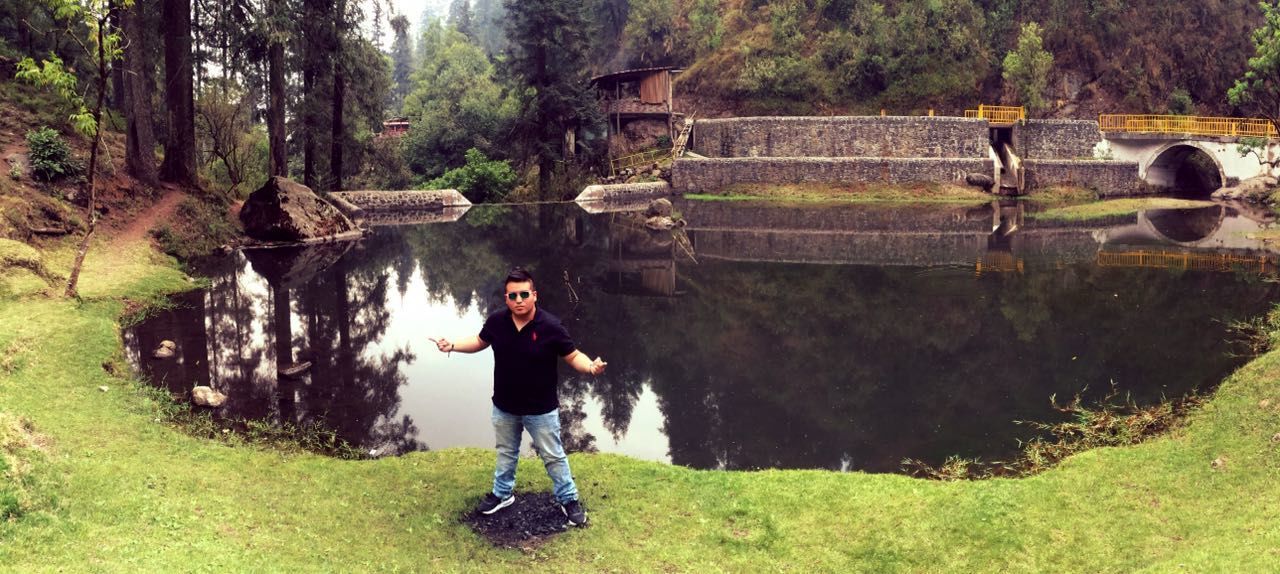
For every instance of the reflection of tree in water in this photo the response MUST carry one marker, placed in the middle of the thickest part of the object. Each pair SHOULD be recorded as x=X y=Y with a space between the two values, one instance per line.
x=803 y=366
x=353 y=388
x=473 y=256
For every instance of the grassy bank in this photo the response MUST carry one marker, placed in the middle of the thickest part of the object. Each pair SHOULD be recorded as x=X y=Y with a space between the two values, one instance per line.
x=108 y=488
x=1114 y=207
x=854 y=192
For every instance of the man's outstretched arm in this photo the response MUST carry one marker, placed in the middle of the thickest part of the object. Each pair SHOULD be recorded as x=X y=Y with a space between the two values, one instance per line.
x=464 y=345
x=581 y=363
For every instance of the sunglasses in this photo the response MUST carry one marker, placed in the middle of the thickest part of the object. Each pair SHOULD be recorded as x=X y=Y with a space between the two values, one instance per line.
x=518 y=294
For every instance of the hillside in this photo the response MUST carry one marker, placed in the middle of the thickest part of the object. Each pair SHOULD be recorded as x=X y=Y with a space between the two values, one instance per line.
x=751 y=57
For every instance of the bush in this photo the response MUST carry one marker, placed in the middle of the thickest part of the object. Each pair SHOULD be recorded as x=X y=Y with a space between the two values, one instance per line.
x=50 y=155
x=480 y=180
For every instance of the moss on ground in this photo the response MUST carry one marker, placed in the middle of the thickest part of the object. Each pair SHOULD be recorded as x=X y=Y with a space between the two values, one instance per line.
x=139 y=495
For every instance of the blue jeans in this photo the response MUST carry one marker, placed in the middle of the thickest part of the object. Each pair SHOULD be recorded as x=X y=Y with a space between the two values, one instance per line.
x=545 y=430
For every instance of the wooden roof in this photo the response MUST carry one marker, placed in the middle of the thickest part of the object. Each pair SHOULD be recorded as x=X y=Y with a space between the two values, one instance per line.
x=632 y=75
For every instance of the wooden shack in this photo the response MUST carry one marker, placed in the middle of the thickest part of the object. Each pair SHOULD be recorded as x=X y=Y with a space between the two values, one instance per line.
x=394 y=128
x=639 y=106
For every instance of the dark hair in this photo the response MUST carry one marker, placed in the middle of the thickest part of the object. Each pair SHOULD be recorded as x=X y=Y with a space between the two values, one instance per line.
x=519 y=275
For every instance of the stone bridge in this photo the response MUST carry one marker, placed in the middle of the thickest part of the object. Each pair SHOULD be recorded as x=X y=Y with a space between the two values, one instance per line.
x=1173 y=159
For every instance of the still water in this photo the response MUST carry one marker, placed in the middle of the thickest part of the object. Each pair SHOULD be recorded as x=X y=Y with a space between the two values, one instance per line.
x=839 y=337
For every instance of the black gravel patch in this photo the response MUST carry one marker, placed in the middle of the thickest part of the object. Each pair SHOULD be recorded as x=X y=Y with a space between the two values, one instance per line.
x=532 y=520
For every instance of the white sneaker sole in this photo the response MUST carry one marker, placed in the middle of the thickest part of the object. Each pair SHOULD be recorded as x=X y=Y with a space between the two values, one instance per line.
x=508 y=502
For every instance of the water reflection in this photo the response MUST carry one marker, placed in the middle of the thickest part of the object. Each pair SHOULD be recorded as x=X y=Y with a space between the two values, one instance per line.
x=843 y=337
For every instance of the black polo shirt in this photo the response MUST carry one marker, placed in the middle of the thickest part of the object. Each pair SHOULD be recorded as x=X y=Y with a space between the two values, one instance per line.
x=524 y=361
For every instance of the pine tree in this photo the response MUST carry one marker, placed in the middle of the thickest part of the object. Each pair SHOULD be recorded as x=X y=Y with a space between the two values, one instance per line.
x=547 y=59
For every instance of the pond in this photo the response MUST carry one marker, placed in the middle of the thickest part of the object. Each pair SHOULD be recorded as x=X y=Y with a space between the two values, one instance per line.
x=845 y=337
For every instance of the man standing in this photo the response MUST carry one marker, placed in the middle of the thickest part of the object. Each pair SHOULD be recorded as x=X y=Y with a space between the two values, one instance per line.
x=526 y=343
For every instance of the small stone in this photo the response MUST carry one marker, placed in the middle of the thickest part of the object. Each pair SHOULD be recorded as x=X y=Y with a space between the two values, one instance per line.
x=1218 y=463
x=103 y=389
x=207 y=397
x=1275 y=437
x=163 y=353
x=1264 y=403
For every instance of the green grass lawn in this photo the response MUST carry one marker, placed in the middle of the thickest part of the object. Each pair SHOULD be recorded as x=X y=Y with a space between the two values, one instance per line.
x=107 y=486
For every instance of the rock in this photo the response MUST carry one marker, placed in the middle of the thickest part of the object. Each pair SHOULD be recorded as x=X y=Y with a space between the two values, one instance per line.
x=1219 y=463
x=103 y=389
x=165 y=350
x=1275 y=437
x=980 y=180
x=207 y=397
x=659 y=223
x=660 y=207
x=1264 y=403
x=284 y=210
x=656 y=173
x=295 y=369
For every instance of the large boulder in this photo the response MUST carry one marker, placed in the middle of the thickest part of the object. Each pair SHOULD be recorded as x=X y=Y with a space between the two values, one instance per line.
x=284 y=210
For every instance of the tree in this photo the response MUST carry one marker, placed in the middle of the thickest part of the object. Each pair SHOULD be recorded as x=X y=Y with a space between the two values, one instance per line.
x=1027 y=68
x=275 y=90
x=547 y=62
x=140 y=141
x=456 y=104
x=401 y=63
x=1259 y=88
x=460 y=17
x=103 y=48
x=179 y=164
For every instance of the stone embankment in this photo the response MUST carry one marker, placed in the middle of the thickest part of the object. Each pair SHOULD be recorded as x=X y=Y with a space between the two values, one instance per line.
x=894 y=150
x=624 y=191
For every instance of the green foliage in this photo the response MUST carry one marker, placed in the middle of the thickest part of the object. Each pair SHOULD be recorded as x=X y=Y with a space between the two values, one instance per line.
x=50 y=155
x=706 y=29
x=1181 y=104
x=53 y=75
x=480 y=180
x=1259 y=88
x=456 y=105
x=650 y=33
x=203 y=224
x=1026 y=69
x=547 y=59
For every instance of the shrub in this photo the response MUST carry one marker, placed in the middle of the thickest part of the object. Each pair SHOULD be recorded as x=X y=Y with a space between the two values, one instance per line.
x=480 y=180
x=50 y=155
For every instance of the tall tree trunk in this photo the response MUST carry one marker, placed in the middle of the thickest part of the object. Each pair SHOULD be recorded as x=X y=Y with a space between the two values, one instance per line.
x=308 y=128
x=179 y=95
x=275 y=86
x=117 y=72
x=139 y=141
x=338 y=129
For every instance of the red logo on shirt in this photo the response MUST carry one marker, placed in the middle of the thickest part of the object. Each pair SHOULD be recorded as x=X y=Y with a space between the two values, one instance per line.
x=535 y=335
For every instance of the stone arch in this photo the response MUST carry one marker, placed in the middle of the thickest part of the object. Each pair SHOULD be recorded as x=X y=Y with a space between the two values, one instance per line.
x=1169 y=160
x=1186 y=227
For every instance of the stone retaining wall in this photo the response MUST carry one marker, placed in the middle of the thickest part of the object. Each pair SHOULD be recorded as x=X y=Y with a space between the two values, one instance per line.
x=397 y=200
x=1057 y=139
x=690 y=175
x=1108 y=178
x=624 y=191
x=847 y=136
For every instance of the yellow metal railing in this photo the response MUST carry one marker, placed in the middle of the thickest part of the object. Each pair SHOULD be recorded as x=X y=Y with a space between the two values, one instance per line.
x=1221 y=262
x=998 y=114
x=635 y=160
x=1193 y=125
